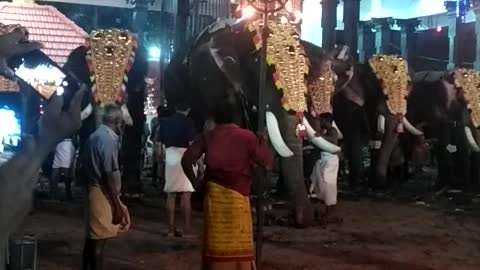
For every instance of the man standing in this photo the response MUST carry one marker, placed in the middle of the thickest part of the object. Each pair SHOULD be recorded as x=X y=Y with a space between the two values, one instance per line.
x=62 y=167
x=106 y=214
x=325 y=171
x=175 y=133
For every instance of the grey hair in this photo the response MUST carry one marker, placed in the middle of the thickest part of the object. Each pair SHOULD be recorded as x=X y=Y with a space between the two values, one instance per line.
x=112 y=114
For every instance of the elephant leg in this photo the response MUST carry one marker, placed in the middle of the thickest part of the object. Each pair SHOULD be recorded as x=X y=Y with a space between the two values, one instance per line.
x=389 y=142
x=354 y=157
x=461 y=160
x=292 y=173
x=444 y=163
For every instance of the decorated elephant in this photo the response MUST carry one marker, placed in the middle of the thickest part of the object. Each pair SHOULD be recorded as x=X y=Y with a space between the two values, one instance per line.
x=446 y=103
x=114 y=69
x=370 y=103
x=225 y=61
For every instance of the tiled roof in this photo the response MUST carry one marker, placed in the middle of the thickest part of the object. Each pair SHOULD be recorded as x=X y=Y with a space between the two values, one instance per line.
x=47 y=25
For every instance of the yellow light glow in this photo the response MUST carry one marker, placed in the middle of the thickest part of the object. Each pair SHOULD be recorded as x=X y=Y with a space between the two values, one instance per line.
x=248 y=12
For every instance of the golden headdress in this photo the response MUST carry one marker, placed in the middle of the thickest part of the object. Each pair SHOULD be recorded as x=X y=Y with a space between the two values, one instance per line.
x=392 y=70
x=110 y=57
x=469 y=80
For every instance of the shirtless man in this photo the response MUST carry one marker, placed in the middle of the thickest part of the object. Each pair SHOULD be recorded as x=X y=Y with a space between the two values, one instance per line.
x=325 y=171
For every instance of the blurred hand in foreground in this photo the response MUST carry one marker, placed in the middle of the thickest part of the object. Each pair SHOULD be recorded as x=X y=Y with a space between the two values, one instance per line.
x=12 y=44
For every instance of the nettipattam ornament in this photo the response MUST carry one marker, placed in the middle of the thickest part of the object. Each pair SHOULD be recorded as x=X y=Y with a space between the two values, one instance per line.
x=7 y=85
x=321 y=90
x=287 y=56
x=392 y=71
x=469 y=80
x=110 y=57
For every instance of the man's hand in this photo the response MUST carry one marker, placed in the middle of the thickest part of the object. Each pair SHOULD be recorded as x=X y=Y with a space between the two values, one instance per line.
x=12 y=44
x=55 y=124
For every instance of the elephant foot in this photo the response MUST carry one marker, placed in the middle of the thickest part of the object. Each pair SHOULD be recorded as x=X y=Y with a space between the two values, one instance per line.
x=379 y=182
x=303 y=216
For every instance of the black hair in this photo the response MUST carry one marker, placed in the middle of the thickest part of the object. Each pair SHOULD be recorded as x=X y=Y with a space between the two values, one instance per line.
x=112 y=114
x=223 y=113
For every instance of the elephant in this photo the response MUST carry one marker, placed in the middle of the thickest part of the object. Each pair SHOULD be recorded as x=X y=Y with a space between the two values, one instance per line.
x=225 y=63
x=129 y=94
x=367 y=106
x=445 y=102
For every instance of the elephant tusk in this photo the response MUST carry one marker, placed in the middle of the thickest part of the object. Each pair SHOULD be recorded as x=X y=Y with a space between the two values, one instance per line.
x=381 y=124
x=276 y=136
x=319 y=141
x=343 y=54
x=86 y=112
x=471 y=140
x=340 y=134
x=413 y=130
x=126 y=115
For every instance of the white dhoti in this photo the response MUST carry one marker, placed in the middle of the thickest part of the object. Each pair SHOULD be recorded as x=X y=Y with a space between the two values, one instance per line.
x=175 y=178
x=64 y=155
x=324 y=178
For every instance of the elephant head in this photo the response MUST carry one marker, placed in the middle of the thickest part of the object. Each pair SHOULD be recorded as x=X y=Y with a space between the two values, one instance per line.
x=110 y=56
x=469 y=82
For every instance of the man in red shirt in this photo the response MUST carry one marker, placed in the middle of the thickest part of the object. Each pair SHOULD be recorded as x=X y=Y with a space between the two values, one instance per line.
x=229 y=152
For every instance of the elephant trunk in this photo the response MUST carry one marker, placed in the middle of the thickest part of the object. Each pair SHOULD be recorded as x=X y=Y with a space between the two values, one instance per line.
x=293 y=175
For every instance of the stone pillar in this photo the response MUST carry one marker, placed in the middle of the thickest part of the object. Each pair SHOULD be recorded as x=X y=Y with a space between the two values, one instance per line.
x=364 y=29
x=329 y=23
x=453 y=22
x=140 y=17
x=382 y=34
x=351 y=20
x=476 y=9
x=407 y=38
x=183 y=12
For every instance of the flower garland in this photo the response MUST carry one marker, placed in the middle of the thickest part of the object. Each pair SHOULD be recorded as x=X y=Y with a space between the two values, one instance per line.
x=110 y=56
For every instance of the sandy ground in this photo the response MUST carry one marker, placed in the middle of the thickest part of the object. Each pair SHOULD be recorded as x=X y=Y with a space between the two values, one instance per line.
x=374 y=235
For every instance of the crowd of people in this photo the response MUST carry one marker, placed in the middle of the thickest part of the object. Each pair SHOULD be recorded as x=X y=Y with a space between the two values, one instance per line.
x=219 y=161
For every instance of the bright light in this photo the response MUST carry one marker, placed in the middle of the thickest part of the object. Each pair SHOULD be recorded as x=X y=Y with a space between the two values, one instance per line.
x=154 y=53
x=9 y=127
x=247 y=12
x=439 y=29
x=60 y=90
x=283 y=20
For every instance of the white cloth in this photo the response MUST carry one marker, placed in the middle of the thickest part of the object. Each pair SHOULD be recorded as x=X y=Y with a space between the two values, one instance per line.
x=324 y=178
x=64 y=155
x=175 y=178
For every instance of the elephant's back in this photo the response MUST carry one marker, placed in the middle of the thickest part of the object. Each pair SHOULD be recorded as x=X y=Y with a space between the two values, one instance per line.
x=427 y=77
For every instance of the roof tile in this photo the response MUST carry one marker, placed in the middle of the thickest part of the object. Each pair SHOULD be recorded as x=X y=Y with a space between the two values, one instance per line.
x=45 y=24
